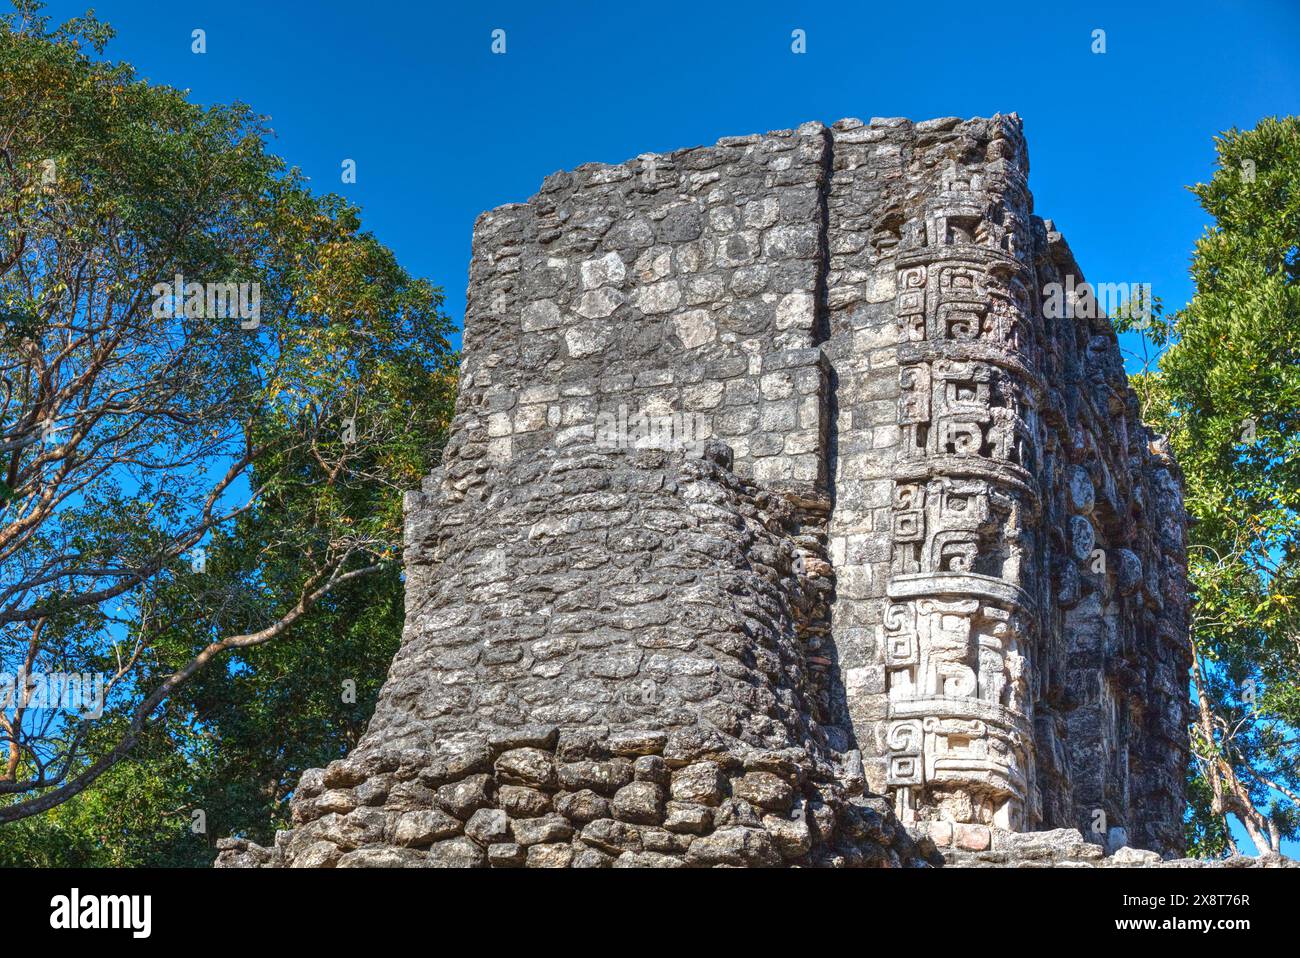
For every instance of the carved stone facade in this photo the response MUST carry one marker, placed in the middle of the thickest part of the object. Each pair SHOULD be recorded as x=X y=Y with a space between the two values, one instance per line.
x=1016 y=653
x=971 y=605
x=915 y=562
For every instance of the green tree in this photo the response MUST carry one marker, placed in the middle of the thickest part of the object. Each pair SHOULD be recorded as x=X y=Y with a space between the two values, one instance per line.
x=234 y=741
x=1227 y=390
x=196 y=473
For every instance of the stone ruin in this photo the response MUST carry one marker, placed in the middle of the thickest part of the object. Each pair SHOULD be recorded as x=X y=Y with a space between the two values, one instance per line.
x=780 y=523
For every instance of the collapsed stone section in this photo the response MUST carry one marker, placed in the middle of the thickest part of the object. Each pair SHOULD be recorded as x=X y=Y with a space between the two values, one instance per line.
x=772 y=491
x=645 y=702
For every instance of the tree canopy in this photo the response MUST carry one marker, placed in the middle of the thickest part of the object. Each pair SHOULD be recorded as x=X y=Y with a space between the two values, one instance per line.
x=214 y=387
x=1227 y=390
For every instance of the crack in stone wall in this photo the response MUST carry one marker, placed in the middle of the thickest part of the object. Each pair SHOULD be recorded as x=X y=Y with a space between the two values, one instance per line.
x=760 y=533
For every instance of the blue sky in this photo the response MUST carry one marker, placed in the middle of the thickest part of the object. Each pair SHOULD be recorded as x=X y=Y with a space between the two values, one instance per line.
x=442 y=129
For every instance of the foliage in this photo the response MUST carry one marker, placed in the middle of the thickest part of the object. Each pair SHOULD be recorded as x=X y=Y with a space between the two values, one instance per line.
x=202 y=504
x=1228 y=392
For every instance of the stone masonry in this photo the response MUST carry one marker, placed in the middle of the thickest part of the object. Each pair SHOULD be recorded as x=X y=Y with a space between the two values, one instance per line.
x=778 y=525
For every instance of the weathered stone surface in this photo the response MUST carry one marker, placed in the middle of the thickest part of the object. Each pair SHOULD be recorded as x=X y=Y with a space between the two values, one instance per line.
x=336 y=800
x=780 y=510
x=521 y=802
x=734 y=846
x=637 y=742
x=549 y=856
x=737 y=811
x=528 y=736
x=647 y=860
x=422 y=828
x=318 y=855
x=527 y=766
x=456 y=853
x=604 y=777
x=971 y=838
x=611 y=836
x=701 y=783
x=341 y=774
x=1135 y=856
x=507 y=855
x=641 y=803
x=1067 y=848
x=365 y=826
x=685 y=817
x=792 y=837
x=383 y=857
x=661 y=840
x=465 y=797
x=582 y=807
x=488 y=825
x=591 y=858
x=651 y=768
x=547 y=828
x=764 y=790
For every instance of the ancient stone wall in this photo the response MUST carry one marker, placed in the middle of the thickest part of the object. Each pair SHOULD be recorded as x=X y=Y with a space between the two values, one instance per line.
x=775 y=517
x=1008 y=542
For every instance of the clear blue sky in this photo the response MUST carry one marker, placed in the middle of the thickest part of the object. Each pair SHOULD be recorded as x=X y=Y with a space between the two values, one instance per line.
x=441 y=128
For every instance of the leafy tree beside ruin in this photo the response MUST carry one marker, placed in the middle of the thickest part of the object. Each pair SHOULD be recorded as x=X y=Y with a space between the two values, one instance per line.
x=1227 y=390
x=189 y=470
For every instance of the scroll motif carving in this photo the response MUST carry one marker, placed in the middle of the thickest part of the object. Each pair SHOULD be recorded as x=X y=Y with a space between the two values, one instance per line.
x=958 y=653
